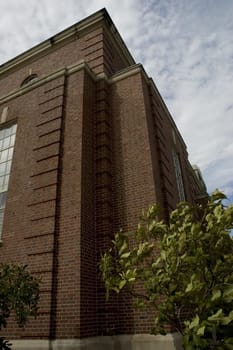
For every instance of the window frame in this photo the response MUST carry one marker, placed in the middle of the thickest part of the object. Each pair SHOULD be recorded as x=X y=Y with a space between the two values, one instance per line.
x=179 y=175
x=8 y=130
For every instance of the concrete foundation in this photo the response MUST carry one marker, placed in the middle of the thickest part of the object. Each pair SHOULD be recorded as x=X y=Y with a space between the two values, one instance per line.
x=120 y=342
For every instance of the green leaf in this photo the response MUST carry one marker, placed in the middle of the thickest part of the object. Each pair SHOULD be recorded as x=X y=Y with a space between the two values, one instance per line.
x=189 y=287
x=227 y=319
x=125 y=255
x=163 y=254
x=195 y=322
x=217 y=316
x=122 y=284
x=217 y=195
x=201 y=331
x=216 y=294
x=131 y=279
x=116 y=289
x=228 y=294
x=123 y=247
x=186 y=343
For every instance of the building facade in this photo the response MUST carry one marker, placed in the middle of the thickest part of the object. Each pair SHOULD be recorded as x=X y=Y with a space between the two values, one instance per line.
x=86 y=142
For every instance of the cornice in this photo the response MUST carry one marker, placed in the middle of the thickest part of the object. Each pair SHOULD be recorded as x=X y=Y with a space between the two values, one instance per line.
x=138 y=68
x=69 y=70
x=77 y=30
x=81 y=65
x=126 y=72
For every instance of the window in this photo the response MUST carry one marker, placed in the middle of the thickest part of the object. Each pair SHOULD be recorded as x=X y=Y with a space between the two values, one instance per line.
x=29 y=79
x=7 y=141
x=179 y=178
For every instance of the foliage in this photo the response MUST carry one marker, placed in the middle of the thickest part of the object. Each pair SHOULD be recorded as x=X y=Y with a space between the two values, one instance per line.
x=19 y=292
x=186 y=268
x=4 y=344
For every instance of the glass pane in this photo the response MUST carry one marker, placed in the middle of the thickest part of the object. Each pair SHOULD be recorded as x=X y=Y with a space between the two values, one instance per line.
x=3 y=200
x=8 y=167
x=4 y=156
x=1 y=215
x=6 y=181
x=2 y=168
x=13 y=129
x=12 y=141
x=10 y=153
x=1 y=183
x=6 y=142
x=7 y=132
x=1 y=133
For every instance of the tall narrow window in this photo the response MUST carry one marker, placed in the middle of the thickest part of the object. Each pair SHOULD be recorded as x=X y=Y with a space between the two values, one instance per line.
x=179 y=177
x=7 y=141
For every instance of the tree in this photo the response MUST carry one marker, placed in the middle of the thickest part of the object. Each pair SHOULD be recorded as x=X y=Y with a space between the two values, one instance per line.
x=186 y=268
x=19 y=292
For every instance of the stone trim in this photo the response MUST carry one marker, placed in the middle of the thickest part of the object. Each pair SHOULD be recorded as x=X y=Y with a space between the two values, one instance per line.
x=36 y=83
x=122 y=74
x=126 y=72
x=138 y=68
x=68 y=71
x=171 y=341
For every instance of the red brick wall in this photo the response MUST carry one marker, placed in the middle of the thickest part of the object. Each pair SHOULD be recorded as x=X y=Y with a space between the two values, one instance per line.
x=88 y=230
x=133 y=180
x=42 y=66
x=30 y=218
x=95 y=47
x=51 y=190
x=67 y=283
x=133 y=174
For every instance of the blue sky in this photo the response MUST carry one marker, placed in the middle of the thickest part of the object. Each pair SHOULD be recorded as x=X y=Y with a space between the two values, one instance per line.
x=185 y=46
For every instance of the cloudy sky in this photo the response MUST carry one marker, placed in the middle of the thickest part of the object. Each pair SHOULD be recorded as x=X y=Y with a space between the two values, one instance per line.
x=186 y=46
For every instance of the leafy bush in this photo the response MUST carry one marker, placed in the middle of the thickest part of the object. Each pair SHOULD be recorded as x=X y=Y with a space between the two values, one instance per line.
x=189 y=262
x=19 y=292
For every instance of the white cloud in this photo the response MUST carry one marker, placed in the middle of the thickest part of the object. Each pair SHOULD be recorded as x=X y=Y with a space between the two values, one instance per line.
x=186 y=46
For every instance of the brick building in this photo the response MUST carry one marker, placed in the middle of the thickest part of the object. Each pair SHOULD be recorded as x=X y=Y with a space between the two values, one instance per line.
x=86 y=142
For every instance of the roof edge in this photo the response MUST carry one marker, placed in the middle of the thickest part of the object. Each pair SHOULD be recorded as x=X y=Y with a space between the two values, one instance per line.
x=136 y=68
x=74 y=30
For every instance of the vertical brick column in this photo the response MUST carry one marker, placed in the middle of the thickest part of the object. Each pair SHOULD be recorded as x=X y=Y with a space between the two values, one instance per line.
x=104 y=229
x=41 y=241
x=87 y=232
x=162 y=138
